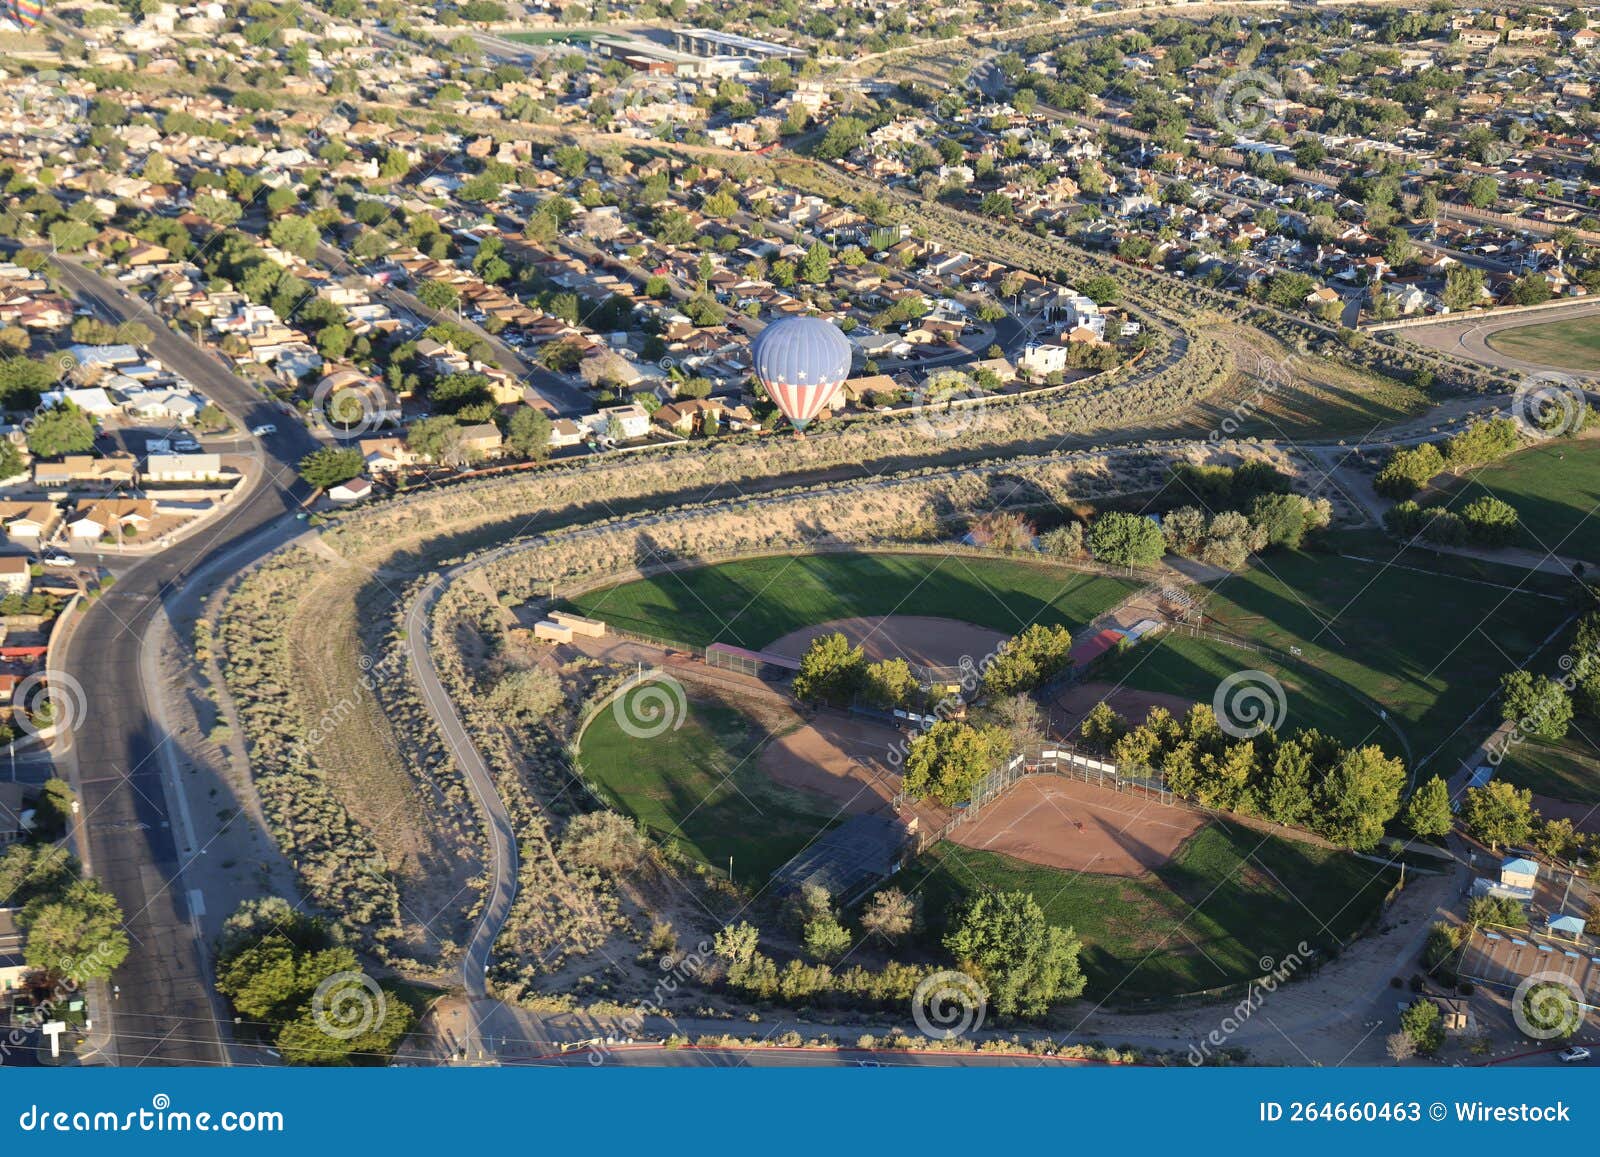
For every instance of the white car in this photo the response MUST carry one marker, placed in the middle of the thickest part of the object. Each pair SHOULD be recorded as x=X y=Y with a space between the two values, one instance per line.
x=263 y=431
x=1573 y=1055
x=59 y=559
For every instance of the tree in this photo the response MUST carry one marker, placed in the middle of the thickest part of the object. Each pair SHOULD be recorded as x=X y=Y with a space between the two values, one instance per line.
x=1463 y=287
x=1424 y=1026
x=1064 y=541
x=54 y=813
x=1287 y=798
x=604 y=841
x=1498 y=813
x=528 y=433
x=1123 y=539
x=1483 y=192
x=77 y=934
x=65 y=429
x=1428 y=811
x=1490 y=521
x=330 y=466
x=831 y=669
x=438 y=295
x=1026 y=963
x=947 y=761
x=1400 y=1046
x=1360 y=794
x=889 y=683
x=297 y=235
x=1538 y=706
x=889 y=915
x=825 y=938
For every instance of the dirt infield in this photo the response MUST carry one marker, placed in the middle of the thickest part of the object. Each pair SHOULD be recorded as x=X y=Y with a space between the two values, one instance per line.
x=843 y=759
x=920 y=639
x=1065 y=823
x=1069 y=706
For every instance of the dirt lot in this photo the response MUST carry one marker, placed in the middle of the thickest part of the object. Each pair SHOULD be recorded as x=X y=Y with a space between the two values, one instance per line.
x=914 y=638
x=1064 y=823
x=1071 y=704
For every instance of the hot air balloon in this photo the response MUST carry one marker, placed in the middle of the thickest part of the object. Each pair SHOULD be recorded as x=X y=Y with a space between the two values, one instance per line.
x=802 y=361
x=27 y=12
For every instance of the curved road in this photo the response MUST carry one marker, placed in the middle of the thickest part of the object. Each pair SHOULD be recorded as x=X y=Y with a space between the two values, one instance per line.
x=115 y=758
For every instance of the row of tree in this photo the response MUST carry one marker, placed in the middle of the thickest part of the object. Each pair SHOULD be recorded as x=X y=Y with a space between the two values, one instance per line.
x=1347 y=794
x=1409 y=470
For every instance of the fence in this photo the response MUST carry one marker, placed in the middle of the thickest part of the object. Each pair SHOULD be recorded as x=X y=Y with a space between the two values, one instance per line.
x=1053 y=759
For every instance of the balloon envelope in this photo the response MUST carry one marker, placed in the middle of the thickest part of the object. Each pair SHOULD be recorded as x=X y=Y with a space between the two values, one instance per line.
x=801 y=361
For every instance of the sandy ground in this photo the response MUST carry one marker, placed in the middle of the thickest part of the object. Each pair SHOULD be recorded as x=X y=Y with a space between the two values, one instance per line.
x=916 y=638
x=1584 y=816
x=841 y=758
x=1067 y=824
x=1072 y=703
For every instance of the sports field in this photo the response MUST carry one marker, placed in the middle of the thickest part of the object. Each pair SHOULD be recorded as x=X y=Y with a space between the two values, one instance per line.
x=1555 y=487
x=1568 y=770
x=699 y=787
x=1231 y=898
x=756 y=601
x=1427 y=646
x=1573 y=344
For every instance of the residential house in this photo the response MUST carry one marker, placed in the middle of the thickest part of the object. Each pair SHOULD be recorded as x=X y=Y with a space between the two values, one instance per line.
x=29 y=521
x=119 y=468
x=182 y=467
x=16 y=577
x=117 y=517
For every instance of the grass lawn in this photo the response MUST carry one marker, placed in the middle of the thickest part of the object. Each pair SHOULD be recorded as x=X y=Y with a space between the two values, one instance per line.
x=753 y=602
x=1573 y=344
x=1568 y=770
x=1428 y=646
x=1229 y=898
x=1555 y=487
x=547 y=37
x=699 y=787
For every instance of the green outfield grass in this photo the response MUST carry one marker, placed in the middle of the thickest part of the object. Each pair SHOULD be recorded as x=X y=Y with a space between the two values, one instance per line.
x=1230 y=898
x=1555 y=487
x=1568 y=770
x=1427 y=646
x=753 y=602
x=699 y=787
x=548 y=37
x=1572 y=344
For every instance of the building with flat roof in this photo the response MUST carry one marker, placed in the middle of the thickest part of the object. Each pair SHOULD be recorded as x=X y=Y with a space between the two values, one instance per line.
x=707 y=42
x=647 y=56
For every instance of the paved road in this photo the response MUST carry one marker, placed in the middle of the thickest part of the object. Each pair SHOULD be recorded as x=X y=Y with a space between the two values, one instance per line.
x=503 y=841
x=130 y=827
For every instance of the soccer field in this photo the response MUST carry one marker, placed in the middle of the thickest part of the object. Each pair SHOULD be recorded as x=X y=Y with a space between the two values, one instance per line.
x=752 y=602
x=1555 y=487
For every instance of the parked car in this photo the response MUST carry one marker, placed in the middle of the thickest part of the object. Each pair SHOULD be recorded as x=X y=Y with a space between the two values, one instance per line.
x=58 y=558
x=1573 y=1055
x=187 y=446
x=263 y=431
